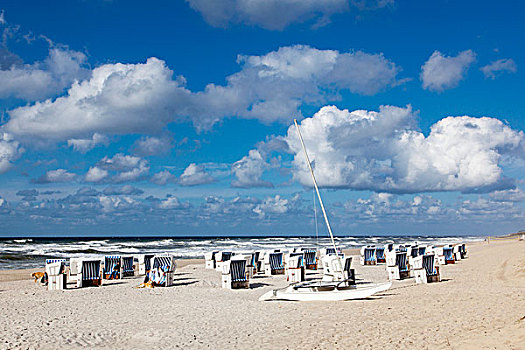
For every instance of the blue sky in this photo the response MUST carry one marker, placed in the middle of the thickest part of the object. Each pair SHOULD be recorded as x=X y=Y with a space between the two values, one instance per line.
x=173 y=117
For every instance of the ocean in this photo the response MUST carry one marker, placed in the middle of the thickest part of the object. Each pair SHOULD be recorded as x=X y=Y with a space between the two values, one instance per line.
x=18 y=253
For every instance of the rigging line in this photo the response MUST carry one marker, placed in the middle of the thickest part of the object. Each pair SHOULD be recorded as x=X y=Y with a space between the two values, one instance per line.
x=316 y=188
x=315 y=217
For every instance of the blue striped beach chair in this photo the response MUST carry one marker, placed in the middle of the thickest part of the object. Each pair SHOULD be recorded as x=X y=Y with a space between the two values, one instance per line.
x=162 y=270
x=414 y=251
x=112 y=267
x=421 y=250
x=310 y=259
x=255 y=263
x=274 y=264
x=89 y=273
x=401 y=261
x=380 y=255
x=368 y=255
x=425 y=269
x=448 y=253
x=126 y=266
x=235 y=274
x=397 y=266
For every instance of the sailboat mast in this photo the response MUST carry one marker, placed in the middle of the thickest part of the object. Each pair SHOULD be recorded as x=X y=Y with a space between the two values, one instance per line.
x=315 y=186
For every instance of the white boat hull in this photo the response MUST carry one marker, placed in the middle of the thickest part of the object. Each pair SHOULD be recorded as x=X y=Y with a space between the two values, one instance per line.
x=314 y=294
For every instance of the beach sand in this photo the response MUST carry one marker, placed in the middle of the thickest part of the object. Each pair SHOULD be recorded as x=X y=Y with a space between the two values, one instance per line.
x=479 y=305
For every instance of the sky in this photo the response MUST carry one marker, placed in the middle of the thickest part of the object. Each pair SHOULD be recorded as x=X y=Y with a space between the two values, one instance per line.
x=176 y=117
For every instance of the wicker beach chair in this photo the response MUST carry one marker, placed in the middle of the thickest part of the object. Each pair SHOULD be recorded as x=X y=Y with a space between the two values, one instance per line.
x=126 y=266
x=310 y=259
x=144 y=263
x=397 y=265
x=162 y=270
x=56 y=274
x=209 y=260
x=368 y=255
x=274 y=264
x=380 y=255
x=426 y=269
x=295 y=271
x=221 y=258
x=89 y=273
x=235 y=274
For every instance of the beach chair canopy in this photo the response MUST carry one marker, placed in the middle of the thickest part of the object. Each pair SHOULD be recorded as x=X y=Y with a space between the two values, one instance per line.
x=276 y=261
x=238 y=270
x=428 y=264
x=401 y=261
x=370 y=254
x=110 y=261
x=310 y=256
x=90 y=270
x=380 y=253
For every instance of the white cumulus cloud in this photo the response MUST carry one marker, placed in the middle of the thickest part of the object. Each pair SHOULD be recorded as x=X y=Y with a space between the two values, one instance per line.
x=249 y=170
x=96 y=174
x=442 y=72
x=58 y=175
x=44 y=79
x=86 y=145
x=10 y=151
x=144 y=98
x=195 y=175
x=384 y=152
x=500 y=66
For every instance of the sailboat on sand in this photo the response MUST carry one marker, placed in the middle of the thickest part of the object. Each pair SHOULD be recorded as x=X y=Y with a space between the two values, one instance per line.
x=338 y=287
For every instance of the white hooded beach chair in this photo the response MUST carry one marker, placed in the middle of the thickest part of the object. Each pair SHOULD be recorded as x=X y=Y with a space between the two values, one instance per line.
x=74 y=270
x=397 y=265
x=235 y=274
x=445 y=255
x=56 y=274
x=463 y=251
x=220 y=258
x=426 y=269
x=368 y=255
x=295 y=271
x=273 y=264
x=162 y=270
x=89 y=273
x=209 y=259
x=144 y=262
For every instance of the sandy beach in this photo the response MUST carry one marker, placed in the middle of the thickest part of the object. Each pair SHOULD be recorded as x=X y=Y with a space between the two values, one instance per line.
x=480 y=304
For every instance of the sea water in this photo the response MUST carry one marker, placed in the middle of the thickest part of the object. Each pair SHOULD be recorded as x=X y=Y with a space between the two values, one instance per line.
x=18 y=253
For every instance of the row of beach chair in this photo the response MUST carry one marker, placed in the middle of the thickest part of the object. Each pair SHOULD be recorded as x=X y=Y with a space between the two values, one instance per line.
x=84 y=272
x=413 y=260
x=238 y=268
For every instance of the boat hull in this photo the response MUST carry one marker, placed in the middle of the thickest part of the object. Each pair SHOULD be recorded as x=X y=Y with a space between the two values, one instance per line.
x=315 y=294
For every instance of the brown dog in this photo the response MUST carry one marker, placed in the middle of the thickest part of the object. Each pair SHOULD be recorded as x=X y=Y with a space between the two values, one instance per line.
x=38 y=276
